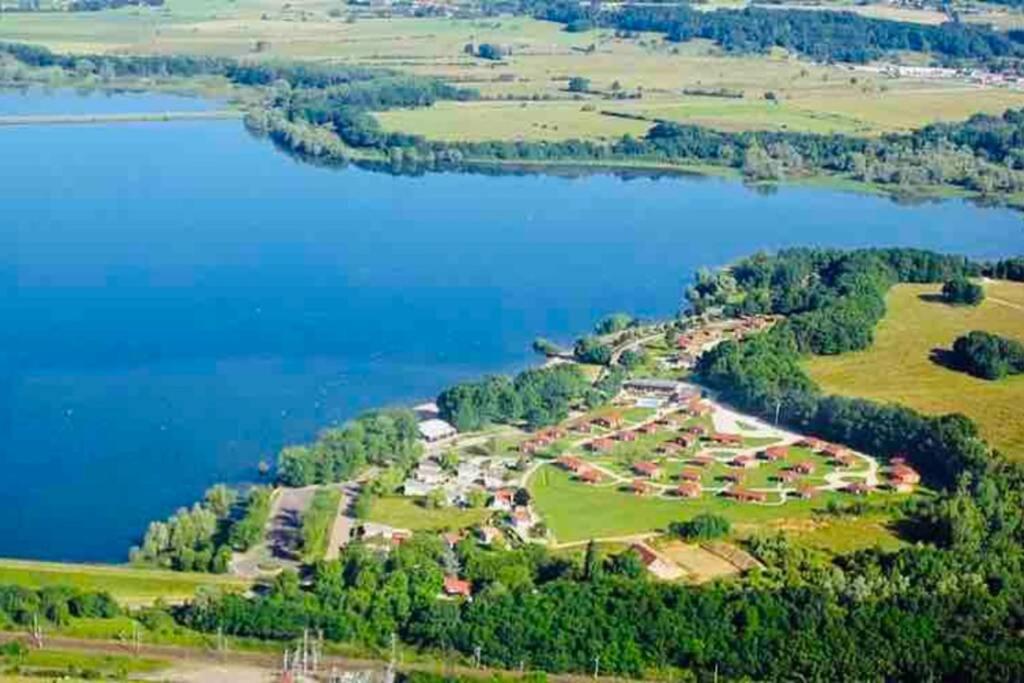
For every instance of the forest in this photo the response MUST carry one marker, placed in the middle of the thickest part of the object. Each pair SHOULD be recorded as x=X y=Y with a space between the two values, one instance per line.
x=821 y=36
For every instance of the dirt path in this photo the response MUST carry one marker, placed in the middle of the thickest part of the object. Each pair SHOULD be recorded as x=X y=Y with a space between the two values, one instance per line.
x=1004 y=302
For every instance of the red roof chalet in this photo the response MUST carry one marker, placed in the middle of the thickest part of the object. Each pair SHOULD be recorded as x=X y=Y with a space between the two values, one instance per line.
x=649 y=428
x=745 y=496
x=669 y=447
x=806 y=491
x=570 y=463
x=811 y=443
x=735 y=477
x=589 y=476
x=833 y=450
x=744 y=461
x=627 y=436
x=902 y=474
x=697 y=430
x=602 y=444
x=456 y=586
x=775 y=453
x=703 y=461
x=857 y=488
x=646 y=469
x=805 y=467
x=609 y=421
x=690 y=474
x=788 y=476
x=685 y=440
x=688 y=489
x=452 y=538
x=640 y=487
x=726 y=439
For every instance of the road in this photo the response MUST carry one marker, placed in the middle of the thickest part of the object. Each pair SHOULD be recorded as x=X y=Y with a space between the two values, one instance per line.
x=152 y=117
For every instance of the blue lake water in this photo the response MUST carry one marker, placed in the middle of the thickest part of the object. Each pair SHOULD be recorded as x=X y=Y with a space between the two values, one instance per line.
x=179 y=299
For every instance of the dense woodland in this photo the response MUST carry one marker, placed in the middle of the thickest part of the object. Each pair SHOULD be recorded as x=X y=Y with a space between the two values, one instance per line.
x=821 y=36
x=55 y=604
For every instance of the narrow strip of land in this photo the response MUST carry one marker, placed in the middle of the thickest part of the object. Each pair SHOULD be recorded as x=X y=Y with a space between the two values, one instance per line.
x=150 y=117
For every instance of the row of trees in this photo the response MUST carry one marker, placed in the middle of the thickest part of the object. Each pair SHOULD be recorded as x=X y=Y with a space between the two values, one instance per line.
x=202 y=538
x=987 y=355
x=20 y=606
x=317 y=522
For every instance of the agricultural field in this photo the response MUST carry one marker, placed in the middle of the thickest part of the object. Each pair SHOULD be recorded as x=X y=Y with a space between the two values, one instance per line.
x=127 y=585
x=639 y=77
x=408 y=513
x=899 y=367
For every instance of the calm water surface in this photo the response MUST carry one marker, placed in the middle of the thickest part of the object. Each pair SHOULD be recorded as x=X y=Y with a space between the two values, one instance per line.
x=179 y=299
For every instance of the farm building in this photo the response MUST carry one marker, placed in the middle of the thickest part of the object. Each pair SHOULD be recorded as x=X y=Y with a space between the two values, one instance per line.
x=685 y=440
x=806 y=491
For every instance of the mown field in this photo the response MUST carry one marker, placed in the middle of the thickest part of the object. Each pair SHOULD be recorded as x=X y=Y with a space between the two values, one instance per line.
x=576 y=512
x=406 y=513
x=898 y=367
x=808 y=97
x=127 y=585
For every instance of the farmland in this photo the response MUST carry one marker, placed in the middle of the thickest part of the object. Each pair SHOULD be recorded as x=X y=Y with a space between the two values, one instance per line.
x=127 y=585
x=642 y=76
x=899 y=367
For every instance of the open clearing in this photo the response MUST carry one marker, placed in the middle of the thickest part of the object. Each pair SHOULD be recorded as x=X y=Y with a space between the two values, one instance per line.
x=407 y=513
x=898 y=366
x=700 y=565
x=127 y=585
x=576 y=512
x=809 y=97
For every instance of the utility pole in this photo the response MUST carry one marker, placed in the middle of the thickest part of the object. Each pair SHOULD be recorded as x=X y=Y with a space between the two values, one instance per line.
x=476 y=654
x=778 y=407
x=597 y=666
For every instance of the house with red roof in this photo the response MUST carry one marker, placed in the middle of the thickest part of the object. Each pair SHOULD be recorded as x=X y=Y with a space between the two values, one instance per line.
x=806 y=491
x=456 y=587
x=452 y=538
x=601 y=445
x=640 y=487
x=703 y=461
x=569 y=463
x=609 y=421
x=857 y=488
x=503 y=500
x=744 y=462
x=903 y=478
x=688 y=489
x=726 y=439
x=690 y=474
x=685 y=440
x=647 y=469
x=745 y=496
x=649 y=428
x=775 y=453
x=805 y=467
x=589 y=475
x=811 y=443
x=627 y=436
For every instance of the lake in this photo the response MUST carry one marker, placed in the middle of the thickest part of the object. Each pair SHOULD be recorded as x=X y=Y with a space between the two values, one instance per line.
x=180 y=299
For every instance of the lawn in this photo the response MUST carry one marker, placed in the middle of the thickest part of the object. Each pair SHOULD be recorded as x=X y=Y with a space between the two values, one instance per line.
x=407 y=513
x=86 y=665
x=846 y=534
x=575 y=512
x=129 y=585
x=898 y=366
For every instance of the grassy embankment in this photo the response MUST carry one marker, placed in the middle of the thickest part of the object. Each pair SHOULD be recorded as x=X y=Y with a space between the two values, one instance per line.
x=128 y=585
x=810 y=97
x=899 y=366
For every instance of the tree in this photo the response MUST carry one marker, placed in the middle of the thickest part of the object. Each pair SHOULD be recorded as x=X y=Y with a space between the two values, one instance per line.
x=579 y=84
x=591 y=562
x=962 y=291
x=703 y=527
x=590 y=350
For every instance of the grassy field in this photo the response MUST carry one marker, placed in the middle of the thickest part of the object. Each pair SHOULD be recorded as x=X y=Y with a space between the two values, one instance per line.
x=127 y=585
x=65 y=665
x=898 y=366
x=845 y=534
x=810 y=97
x=406 y=513
x=575 y=512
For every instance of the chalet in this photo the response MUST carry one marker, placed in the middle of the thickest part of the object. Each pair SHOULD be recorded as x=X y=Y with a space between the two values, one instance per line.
x=640 y=487
x=487 y=535
x=685 y=440
x=698 y=430
x=833 y=451
x=806 y=491
x=726 y=439
x=697 y=407
x=552 y=434
x=435 y=429
x=581 y=427
x=690 y=474
x=844 y=460
x=570 y=463
x=688 y=489
x=811 y=443
x=805 y=467
x=669 y=448
x=522 y=520
x=452 y=538
x=903 y=478
x=647 y=469
x=456 y=587
x=400 y=536
x=627 y=436
x=601 y=445
x=745 y=496
x=744 y=462
x=735 y=477
x=609 y=421
x=788 y=476
x=703 y=461
x=649 y=428
x=775 y=453
x=857 y=488
x=589 y=476
x=503 y=500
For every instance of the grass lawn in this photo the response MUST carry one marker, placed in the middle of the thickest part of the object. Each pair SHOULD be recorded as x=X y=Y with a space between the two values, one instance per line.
x=575 y=512
x=898 y=367
x=846 y=534
x=406 y=513
x=129 y=585
x=90 y=666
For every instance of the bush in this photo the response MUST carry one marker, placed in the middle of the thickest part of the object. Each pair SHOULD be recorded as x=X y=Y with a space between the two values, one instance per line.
x=961 y=291
x=703 y=527
x=988 y=356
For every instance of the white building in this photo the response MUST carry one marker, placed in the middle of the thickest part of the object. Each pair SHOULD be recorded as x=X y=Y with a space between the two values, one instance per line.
x=436 y=430
x=413 y=487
